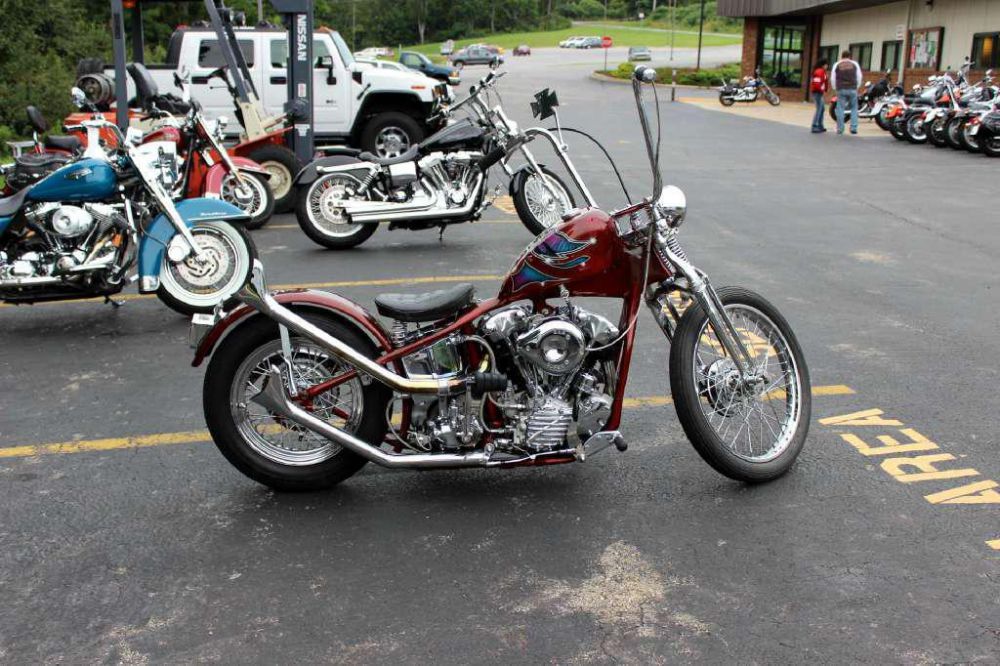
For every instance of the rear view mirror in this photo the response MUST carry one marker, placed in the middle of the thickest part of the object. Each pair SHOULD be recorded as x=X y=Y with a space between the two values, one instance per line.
x=79 y=97
x=326 y=62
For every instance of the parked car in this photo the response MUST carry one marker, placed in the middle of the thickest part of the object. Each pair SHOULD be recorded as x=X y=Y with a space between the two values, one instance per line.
x=492 y=48
x=568 y=42
x=475 y=55
x=447 y=47
x=636 y=53
x=588 y=43
x=522 y=50
x=374 y=52
x=424 y=65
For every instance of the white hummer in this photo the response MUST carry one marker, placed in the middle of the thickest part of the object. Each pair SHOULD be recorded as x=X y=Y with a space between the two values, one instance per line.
x=379 y=110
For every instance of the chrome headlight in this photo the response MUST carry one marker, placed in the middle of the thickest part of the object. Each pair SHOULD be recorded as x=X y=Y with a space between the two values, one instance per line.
x=672 y=204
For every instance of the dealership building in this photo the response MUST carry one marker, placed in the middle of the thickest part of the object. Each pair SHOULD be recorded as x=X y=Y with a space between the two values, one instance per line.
x=914 y=38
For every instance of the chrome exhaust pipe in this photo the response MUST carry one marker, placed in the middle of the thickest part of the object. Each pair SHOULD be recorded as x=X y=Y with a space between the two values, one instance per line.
x=255 y=294
x=385 y=211
x=274 y=398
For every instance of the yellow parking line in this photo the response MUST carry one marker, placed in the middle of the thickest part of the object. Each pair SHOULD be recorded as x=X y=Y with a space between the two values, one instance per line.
x=307 y=285
x=197 y=436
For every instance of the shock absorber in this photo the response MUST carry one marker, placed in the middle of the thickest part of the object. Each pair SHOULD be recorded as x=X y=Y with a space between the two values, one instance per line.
x=368 y=180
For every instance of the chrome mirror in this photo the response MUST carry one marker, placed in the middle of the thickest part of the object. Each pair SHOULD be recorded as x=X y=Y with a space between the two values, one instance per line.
x=673 y=204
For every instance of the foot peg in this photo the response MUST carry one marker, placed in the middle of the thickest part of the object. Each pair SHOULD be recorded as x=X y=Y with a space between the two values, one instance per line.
x=599 y=442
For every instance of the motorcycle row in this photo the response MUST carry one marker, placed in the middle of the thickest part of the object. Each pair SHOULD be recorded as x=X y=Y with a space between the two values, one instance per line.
x=948 y=111
x=304 y=387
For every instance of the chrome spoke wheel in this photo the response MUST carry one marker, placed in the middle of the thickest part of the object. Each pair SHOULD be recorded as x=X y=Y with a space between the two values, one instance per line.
x=548 y=207
x=248 y=195
x=756 y=417
x=326 y=200
x=391 y=141
x=273 y=436
x=224 y=264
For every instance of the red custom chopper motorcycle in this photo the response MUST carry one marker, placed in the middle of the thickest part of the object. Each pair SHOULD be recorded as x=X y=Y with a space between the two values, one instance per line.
x=306 y=387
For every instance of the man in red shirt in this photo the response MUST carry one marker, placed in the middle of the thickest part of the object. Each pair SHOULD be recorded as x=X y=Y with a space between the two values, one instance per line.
x=818 y=87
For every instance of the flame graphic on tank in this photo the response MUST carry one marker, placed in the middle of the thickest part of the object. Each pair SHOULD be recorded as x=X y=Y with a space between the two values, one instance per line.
x=556 y=251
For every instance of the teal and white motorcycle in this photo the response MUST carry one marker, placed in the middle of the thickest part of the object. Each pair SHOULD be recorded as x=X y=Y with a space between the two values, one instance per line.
x=95 y=225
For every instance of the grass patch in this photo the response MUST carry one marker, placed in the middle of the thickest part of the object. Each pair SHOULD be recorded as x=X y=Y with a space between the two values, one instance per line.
x=656 y=26
x=623 y=35
x=706 y=77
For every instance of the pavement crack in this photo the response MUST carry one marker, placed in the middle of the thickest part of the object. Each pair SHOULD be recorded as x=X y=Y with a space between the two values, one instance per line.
x=924 y=226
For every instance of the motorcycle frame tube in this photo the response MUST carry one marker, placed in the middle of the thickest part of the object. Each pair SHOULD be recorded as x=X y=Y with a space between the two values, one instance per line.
x=533 y=132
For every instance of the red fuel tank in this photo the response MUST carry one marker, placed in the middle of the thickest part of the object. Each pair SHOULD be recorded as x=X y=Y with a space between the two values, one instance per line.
x=583 y=254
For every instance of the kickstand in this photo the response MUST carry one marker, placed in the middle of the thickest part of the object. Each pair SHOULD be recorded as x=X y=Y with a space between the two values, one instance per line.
x=441 y=232
x=114 y=303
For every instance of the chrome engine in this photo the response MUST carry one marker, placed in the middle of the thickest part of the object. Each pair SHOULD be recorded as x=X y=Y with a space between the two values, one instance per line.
x=551 y=365
x=67 y=242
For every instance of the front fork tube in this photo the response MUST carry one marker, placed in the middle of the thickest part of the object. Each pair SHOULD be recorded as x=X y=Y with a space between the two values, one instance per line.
x=699 y=287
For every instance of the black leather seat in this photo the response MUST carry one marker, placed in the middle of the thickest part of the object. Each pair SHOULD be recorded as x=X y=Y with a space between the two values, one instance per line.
x=429 y=306
x=68 y=143
x=12 y=204
x=408 y=156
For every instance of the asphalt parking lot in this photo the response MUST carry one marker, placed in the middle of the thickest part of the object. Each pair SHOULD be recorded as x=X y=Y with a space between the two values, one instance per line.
x=125 y=537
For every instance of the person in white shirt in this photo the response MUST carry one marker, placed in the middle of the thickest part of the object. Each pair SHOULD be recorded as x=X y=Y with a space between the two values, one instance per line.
x=845 y=77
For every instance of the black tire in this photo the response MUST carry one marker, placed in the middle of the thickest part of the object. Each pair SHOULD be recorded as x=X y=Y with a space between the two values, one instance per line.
x=969 y=142
x=337 y=242
x=687 y=395
x=458 y=64
x=534 y=225
x=898 y=128
x=726 y=99
x=264 y=213
x=833 y=112
x=881 y=120
x=914 y=132
x=385 y=121
x=990 y=145
x=952 y=131
x=772 y=98
x=189 y=309
x=936 y=132
x=282 y=163
x=238 y=346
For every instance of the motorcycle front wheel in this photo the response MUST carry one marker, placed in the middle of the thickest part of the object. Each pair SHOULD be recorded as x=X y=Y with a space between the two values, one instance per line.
x=772 y=98
x=253 y=196
x=897 y=128
x=990 y=145
x=319 y=210
x=535 y=204
x=751 y=433
x=267 y=447
x=952 y=131
x=197 y=284
x=936 y=133
x=915 y=130
x=881 y=120
x=969 y=140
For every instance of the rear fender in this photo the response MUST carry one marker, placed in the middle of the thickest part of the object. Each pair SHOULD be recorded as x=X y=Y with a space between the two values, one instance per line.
x=345 y=309
x=310 y=172
x=158 y=233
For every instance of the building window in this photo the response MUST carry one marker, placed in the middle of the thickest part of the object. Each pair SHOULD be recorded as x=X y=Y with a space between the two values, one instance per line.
x=890 y=55
x=781 y=55
x=986 y=50
x=925 y=48
x=862 y=54
x=831 y=53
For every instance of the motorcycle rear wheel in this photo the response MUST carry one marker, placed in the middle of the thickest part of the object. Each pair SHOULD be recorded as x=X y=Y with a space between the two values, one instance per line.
x=266 y=447
x=320 y=214
x=952 y=131
x=536 y=207
x=990 y=145
x=968 y=141
x=726 y=99
x=721 y=419
x=192 y=286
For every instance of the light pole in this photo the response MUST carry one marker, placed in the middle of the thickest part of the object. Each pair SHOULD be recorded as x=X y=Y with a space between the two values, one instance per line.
x=701 y=29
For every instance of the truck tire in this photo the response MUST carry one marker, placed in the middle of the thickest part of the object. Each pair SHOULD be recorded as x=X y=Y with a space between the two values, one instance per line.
x=390 y=134
x=283 y=166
